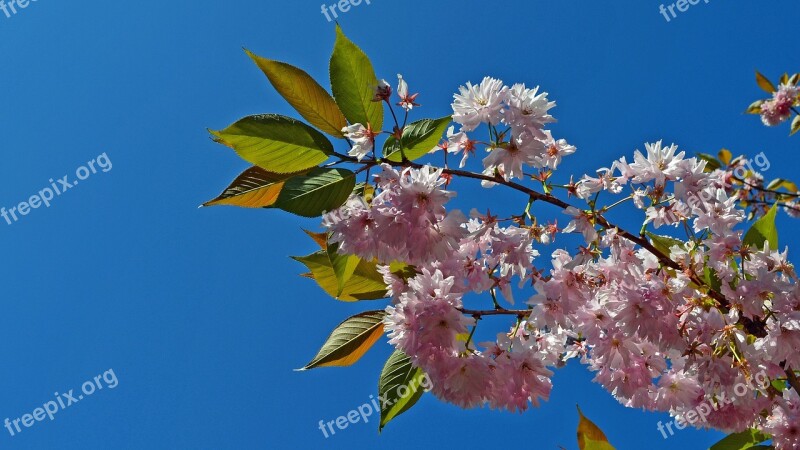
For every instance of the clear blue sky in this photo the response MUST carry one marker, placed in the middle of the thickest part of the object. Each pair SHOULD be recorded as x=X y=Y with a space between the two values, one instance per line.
x=200 y=313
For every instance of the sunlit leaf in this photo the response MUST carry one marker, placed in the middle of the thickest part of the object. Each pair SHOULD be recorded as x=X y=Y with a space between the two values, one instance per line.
x=418 y=139
x=664 y=243
x=276 y=143
x=590 y=437
x=344 y=266
x=711 y=163
x=741 y=441
x=779 y=183
x=304 y=94
x=764 y=83
x=763 y=230
x=350 y=340
x=366 y=283
x=318 y=191
x=755 y=107
x=401 y=384
x=725 y=156
x=320 y=238
x=795 y=125
x=353 y=83
x=254 y=188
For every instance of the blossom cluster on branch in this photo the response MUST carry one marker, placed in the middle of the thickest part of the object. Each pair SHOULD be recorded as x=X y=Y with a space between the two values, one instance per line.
x=667 y=316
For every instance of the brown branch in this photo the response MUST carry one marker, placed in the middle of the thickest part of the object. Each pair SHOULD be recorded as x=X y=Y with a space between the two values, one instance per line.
x=793 y=381
x=547 y=198
x=497 y=312
x=763 y=189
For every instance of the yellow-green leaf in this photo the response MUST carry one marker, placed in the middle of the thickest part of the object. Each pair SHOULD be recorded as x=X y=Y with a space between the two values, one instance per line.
x=366 y=283
x=725 y=156
x=401 y=384
x=254 y=188
x=764 y=83
x=590 y=437
x=795 y=125
x=344 y=266
x=741 y=441
x=778 y=183
x=418 y=139
x=763 y=230
x=310 y=99
x=711 y=163
x=664 y=243
x=353 y=83
x=350 y=340
x=278 y=144
x=755 y=107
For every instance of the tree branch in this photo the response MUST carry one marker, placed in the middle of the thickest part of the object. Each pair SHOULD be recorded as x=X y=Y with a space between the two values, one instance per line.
x=548 y=198
x=793 y=381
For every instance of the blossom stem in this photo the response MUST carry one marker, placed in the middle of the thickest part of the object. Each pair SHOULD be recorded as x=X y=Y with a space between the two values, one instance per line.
x=607 y=208
x=391 y=109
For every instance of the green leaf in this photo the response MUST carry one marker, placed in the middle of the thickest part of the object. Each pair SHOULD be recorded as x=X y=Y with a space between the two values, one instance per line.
x=366 y=283
x=590 y=437
x=711 y=163
x=254 y=188
x=764 y=83
x=319 y=191
x=304 y=94
x=418 y=139
x=663 y=243
x=778 y=183
x=712 y=279
x=795 y=125
x=763 y=230
x=276 y=143
x=755 y=107
x=401 y=384
x=344 y=266
x=741 y=441
x=353 y=83
x=349 y=341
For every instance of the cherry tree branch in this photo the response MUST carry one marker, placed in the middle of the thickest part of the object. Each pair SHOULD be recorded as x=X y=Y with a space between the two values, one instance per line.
x=793 y=380
x=497 y=312
x=550 y=199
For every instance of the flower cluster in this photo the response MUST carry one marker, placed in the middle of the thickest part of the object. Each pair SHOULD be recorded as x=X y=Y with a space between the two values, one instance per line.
x=525 y=111
x=665 y=323
x=778 y=109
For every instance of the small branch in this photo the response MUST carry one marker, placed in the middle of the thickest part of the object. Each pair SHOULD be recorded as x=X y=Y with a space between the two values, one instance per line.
x=548 y=198
x=793 y=381
x=763 y=189
x=497 y=312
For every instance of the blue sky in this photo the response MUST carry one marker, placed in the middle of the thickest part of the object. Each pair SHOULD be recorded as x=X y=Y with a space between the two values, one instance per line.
x=199 y=312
